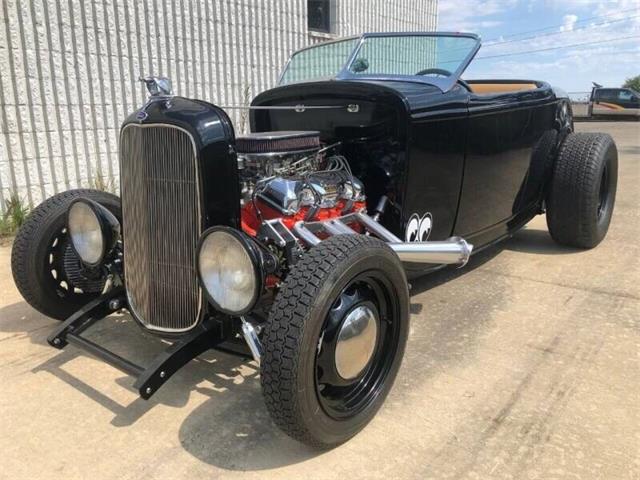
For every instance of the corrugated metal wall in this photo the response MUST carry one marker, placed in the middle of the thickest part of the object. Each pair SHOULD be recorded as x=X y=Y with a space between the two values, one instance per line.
x=69 y=69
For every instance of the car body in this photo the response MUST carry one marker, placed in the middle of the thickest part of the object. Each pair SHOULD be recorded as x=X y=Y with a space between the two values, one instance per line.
x=477 y=162
x=293 y=244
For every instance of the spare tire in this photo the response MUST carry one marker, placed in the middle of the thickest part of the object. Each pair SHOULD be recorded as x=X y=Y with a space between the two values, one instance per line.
x=45 y=268
x=583 y=190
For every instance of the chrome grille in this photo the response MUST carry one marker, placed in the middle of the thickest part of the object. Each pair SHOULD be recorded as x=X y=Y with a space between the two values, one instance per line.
x=161 y=225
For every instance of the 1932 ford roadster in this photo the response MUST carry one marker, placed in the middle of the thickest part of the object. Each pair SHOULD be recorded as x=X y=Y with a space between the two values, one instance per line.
x=371 y=162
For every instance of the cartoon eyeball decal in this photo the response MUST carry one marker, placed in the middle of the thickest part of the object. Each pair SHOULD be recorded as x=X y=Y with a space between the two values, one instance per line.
x=425 y=227
x=411 y=234
x=418 y=229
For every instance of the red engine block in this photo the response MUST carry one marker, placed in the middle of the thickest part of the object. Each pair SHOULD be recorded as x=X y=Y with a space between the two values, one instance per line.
x=251 y=223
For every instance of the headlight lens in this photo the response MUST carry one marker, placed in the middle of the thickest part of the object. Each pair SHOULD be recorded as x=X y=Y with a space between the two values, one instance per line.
x=228 y=268
x=86 y=233
x=93 y=229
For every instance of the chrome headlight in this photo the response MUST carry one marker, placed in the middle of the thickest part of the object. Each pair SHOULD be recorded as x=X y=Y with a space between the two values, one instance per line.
x=229 y=267
x=93 y=229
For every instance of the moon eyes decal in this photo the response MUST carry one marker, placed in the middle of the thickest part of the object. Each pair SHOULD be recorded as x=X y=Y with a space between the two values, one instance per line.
x=418 y=229
x=413 y=226
x=425 y=227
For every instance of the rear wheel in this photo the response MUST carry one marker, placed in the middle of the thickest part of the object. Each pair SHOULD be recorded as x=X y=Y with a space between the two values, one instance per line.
x=583 y=190
x=46 y=270
x=335 y=339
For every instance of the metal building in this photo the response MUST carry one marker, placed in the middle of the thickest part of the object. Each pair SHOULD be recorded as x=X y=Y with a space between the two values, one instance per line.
x=69 y=70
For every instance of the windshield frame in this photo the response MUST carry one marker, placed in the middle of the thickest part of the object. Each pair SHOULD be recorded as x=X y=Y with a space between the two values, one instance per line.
x=443 y=83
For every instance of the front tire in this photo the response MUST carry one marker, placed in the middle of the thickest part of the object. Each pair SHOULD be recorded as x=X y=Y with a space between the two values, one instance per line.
x=45 y=268
x=583 y=190
x=334 y=339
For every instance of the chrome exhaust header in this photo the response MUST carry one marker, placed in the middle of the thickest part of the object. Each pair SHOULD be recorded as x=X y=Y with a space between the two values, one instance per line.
x=454 y=251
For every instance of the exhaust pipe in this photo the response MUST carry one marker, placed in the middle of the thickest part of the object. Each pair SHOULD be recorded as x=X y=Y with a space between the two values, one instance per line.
x=454 y=251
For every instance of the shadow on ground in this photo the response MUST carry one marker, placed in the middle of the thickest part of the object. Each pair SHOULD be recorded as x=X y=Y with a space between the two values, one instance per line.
x=119 y=333
x=232 y=425
x=530 y=240
x=231 y=428
x=233 y=431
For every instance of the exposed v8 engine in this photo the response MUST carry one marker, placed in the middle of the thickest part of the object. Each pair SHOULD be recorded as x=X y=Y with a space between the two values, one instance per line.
x=288 y=175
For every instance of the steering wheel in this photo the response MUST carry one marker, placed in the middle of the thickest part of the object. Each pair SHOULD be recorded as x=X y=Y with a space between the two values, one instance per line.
x=435 y=71
x=443 y=73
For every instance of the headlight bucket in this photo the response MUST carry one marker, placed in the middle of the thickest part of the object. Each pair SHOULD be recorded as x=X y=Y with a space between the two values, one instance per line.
x=230 y=269
x=94 y=230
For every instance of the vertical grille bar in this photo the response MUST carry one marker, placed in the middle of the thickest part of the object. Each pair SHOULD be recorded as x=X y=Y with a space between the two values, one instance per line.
x=161 y=225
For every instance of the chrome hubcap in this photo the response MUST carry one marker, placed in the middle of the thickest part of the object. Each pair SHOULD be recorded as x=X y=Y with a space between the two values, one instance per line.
x=358 y=345
x=356 y=342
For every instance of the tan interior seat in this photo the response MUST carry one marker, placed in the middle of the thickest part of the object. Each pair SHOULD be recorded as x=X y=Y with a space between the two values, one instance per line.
x=485 y=88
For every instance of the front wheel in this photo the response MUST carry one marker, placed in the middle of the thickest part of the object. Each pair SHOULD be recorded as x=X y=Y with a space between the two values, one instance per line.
x=46 y=270
x=334 y=339
x=583 y=190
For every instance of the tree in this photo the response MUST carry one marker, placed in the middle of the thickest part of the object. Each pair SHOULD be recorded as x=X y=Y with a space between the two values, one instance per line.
x=633 y=83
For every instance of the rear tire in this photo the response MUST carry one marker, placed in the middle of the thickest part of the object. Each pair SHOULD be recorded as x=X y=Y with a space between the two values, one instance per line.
x=583 y=190
x=45 y=268
x=317 y=389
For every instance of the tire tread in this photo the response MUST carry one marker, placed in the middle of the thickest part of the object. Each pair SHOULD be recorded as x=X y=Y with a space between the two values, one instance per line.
x=573 y=195
x=284 y=331
x=30 y=233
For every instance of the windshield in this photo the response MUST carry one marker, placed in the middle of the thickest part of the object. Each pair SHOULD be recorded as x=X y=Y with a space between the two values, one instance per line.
x=324 y=61
x=437 y=59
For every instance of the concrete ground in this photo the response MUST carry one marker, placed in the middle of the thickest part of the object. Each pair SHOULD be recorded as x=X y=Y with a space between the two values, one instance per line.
x=525 y=364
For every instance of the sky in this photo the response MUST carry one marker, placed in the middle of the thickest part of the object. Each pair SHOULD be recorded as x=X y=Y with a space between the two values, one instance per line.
x=503 y=24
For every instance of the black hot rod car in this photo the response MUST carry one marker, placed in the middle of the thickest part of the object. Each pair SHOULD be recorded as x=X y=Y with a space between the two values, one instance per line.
x=370 y=163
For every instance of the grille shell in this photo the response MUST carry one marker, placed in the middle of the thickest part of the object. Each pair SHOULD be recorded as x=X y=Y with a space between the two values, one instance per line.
x=162 y=222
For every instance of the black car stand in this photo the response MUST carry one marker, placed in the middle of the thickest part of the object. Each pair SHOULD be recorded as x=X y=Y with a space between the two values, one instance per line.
x=206 y=335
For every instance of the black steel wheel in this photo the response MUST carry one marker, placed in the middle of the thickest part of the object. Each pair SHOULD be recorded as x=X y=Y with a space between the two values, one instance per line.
x=46 y=270
x=583 y=190
x=335 y=339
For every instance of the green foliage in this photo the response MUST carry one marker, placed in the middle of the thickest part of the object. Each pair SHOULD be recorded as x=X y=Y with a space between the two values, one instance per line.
x=14 y=216
x=633 y=83
x=102 y=183
x=5 y=228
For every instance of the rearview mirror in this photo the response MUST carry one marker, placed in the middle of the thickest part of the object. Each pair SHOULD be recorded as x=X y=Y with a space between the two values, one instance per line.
x=359 y=65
